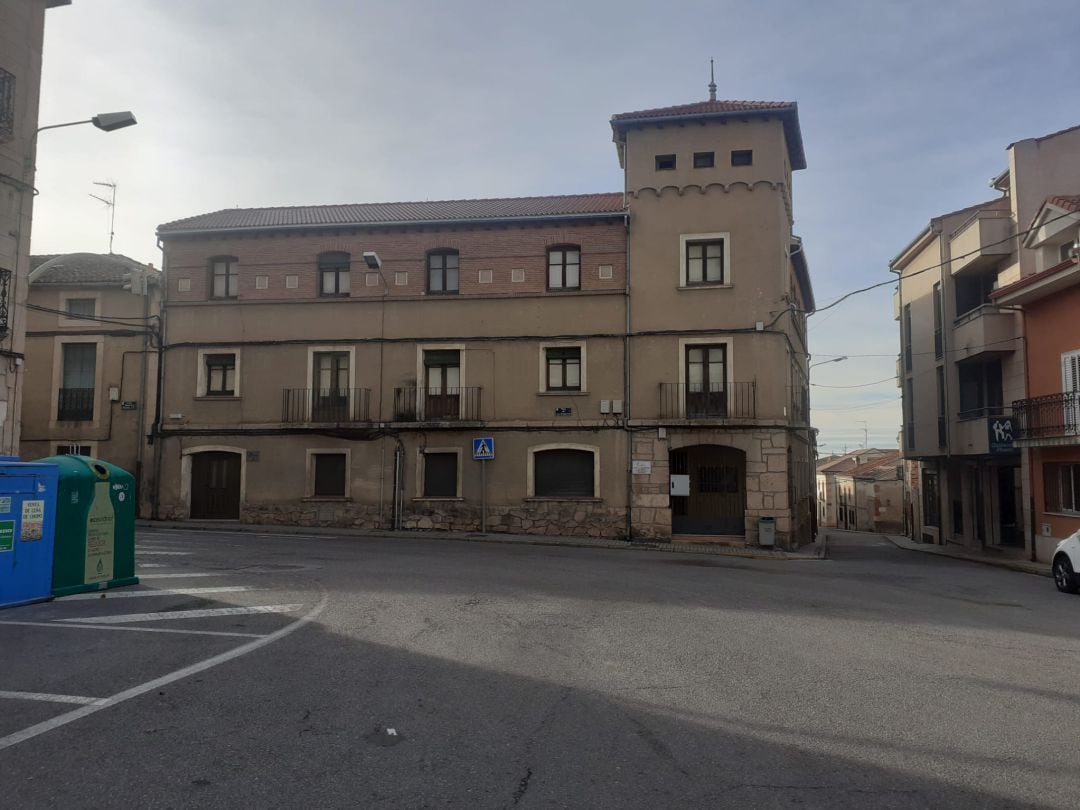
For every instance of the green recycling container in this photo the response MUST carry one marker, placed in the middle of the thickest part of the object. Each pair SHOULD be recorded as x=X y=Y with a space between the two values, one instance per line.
x=94 y=544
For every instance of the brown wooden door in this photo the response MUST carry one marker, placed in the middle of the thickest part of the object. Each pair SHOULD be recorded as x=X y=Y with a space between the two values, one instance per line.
x=215 y=486
x=443 y=397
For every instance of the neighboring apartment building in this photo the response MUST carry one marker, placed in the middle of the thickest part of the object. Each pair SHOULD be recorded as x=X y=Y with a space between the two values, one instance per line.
x=639 y=358
x=962 y=359
x=870 y=496
x=91 y=357
x=22 y=27
x=829 y=497
x=1046 y=424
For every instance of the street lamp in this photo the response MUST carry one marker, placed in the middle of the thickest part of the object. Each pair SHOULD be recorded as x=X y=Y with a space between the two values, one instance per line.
x=834 y=360
x=106 y=122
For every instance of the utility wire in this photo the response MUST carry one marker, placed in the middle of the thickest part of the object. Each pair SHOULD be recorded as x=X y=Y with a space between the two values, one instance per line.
x=952 y=259
x=860 y=385
x=118 y=320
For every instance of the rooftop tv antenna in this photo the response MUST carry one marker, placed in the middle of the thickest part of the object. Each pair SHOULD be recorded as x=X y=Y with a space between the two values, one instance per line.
x=111 y=204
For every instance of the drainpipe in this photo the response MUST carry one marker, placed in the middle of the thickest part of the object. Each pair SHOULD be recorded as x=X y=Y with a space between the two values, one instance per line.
x=155 y=430
x=626 y=361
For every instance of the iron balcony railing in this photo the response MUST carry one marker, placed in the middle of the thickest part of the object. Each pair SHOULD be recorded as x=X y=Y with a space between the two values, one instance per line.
x=75 y=405
x=1052 y=416
x=305 y=405
x=708 y=401
x=413 y=404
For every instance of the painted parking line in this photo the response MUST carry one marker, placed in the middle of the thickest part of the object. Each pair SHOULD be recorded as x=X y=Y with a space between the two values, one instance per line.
x=162 y=592
x=171 y=615
x=184 y=575
x=47 y=698
x=60 y=624
x=139 y=551
x=135 y=691
x=151 y=565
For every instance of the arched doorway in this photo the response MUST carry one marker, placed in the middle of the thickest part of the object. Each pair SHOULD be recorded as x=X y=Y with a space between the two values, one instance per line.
x=716 y=503
x=215 y=485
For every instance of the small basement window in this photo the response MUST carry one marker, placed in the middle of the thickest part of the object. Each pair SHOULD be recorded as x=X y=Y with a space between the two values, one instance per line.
x=742 y=157
x=665 y=163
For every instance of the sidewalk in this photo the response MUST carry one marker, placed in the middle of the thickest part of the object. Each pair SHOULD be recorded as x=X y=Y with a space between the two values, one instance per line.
x=811 y=551
x=1026 y=566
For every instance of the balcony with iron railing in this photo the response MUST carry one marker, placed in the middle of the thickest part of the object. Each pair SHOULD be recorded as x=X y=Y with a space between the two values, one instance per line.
x=322 y=405
x=708 y=401
x=417 y=404
x=75 y=405
x=1053 y=417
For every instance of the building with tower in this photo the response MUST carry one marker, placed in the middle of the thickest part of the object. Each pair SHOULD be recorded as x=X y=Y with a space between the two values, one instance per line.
x=638 y=358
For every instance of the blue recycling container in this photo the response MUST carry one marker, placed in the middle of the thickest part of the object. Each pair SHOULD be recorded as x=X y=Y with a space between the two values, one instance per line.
x=27 y=526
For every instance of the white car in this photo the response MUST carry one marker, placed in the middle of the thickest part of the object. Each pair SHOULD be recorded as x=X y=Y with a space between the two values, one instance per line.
x=1067 y=564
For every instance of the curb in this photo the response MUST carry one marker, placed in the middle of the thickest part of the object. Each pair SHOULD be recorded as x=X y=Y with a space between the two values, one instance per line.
x=1020 y=566
x=817 y=552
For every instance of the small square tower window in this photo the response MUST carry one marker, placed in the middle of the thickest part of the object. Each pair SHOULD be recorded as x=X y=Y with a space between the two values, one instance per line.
x=704 y=160
x=742 y=157
x=665 y=163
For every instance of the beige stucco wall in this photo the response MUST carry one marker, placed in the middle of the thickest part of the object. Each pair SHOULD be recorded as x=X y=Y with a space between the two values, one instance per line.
x=21 y=33
x=115 y=434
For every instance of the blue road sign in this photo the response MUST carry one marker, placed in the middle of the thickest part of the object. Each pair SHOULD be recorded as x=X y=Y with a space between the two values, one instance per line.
x=483 y=449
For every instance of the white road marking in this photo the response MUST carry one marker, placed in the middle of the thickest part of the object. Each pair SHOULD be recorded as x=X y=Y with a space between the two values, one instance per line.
x=151 y=565
x=208 y=663
x=162 y=592
x=168 y=615
x=203 y=534
x=62 y=623
x=139 y=551
x=180 y=576
x=86 y=701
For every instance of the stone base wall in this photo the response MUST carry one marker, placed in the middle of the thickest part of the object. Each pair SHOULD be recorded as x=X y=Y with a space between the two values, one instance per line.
x=566 y=518
x=329 y=514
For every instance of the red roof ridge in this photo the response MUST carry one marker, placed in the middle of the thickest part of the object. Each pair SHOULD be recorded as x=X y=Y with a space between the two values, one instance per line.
x=1026 y=281
x=705 y=107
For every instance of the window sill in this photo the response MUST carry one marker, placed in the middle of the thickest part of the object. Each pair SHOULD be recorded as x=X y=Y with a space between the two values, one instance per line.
x=215 y=398
x=567 y=498
x=438 y=498
x=570 y=393
x=326 y=499
x=1073 y=515
x=705 y=286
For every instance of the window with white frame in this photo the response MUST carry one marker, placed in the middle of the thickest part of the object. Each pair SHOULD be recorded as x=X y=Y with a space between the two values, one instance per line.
x=220 y=374
x=704 y=260
x=81 y=307
x=564 y=472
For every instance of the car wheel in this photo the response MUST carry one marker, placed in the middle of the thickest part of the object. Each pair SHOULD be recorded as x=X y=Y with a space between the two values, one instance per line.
x=1064 y=577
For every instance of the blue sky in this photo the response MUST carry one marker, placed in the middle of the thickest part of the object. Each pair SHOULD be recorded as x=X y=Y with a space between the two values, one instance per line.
x=906 y=110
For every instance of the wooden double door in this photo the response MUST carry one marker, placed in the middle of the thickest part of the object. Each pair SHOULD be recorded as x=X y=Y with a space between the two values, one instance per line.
x=215 y=486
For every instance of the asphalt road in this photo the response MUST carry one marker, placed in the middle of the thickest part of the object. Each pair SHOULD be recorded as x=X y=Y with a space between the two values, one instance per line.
x=327 y=672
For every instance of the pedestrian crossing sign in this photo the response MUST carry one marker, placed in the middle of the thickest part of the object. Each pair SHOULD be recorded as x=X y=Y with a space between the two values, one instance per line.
x=483 y=449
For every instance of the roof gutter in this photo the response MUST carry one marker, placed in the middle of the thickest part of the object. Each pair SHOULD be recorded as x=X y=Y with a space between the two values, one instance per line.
x=924 y=237
x=402 y=223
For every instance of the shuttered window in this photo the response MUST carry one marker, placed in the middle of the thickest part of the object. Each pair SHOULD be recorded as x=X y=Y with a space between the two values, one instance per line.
x=329 y=475
x=440 y=475
x=563 y=474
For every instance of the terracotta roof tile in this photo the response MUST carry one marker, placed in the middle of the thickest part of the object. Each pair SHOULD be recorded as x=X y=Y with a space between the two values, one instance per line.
x=231 y=219
x=705 y=108
x=82 y=268
x=1069 y=203
x=881 y=468
x=787 y=111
